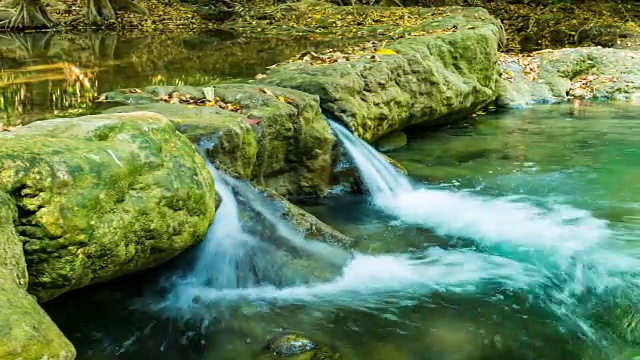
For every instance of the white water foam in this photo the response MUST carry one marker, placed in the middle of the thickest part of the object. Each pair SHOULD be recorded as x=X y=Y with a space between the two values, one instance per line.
x=219 y=263
x=556 y=238
x=366 y=281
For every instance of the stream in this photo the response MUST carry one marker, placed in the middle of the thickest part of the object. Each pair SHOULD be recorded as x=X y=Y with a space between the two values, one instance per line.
x=513 y=237
x=501 y=246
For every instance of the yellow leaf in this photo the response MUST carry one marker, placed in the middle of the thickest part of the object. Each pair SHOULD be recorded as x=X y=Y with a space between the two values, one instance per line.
x=267 y=91
x=384 y=51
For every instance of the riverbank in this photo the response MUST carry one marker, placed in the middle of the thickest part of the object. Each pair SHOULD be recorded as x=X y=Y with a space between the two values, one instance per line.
x=530 y=26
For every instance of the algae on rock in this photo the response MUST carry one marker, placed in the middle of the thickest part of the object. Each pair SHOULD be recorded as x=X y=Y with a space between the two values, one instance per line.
x=430 y=80
x=26 y=331
x=392 y=141
x=103 y=196
x=287 y=147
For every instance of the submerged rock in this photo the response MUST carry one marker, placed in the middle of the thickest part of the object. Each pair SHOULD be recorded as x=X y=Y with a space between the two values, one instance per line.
x=290 y=344
x=444 y=70
x=585 y=73
x=101 y=196
x=26 y=331
x=275 y=137
x=297 y=347
x=300 y=249
x=308 y=225
x=392 y=141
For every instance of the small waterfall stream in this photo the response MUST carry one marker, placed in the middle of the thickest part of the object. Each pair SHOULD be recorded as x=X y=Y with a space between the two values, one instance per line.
x=240 y=261
x=555 y=254
x=568 y=246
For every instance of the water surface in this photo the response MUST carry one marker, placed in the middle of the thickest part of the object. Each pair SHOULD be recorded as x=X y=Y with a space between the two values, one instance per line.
x=46 y=74
x=515 y=239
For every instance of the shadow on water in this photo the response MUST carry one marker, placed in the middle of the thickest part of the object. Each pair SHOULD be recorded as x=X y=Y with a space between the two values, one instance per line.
x=46 y=74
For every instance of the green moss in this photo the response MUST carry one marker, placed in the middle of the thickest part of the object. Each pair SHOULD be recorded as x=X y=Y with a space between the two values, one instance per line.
x=392 y=141
x=297 y=347
x=103 y=196
x=432 y=80
x=289 y=150
x=26 y=331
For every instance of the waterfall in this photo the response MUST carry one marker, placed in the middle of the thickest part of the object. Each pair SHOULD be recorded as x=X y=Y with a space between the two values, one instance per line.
x=269 y=261
x=571 y=247
x=380 y=178
x=510 y=224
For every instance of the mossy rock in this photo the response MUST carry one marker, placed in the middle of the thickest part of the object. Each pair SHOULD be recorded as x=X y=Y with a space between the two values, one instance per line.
x=430 y=80
x=598 y=73
x=229 y=140
x=392 y=141
x=287 y=147
x=297 y=347
x=26 y=331
x=103 y=196
x=308 y=225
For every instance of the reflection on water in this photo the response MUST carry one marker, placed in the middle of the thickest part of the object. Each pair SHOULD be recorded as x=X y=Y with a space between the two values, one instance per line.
x=46 y=74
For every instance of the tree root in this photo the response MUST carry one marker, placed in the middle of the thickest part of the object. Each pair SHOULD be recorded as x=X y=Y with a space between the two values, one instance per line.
x=129 y=6
x=101 y=11
x=30 y=14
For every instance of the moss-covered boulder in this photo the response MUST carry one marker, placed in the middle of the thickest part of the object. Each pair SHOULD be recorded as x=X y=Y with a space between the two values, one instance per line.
x=586 y=73
x=442 y=70
x=26 y=331
x=102 y=196
x=296 y=347
x=226 y=135
x=275 y=137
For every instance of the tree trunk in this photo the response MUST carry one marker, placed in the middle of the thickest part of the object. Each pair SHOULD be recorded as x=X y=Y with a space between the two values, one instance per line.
x=129 y=6
x=100 y=11
x=30 y=14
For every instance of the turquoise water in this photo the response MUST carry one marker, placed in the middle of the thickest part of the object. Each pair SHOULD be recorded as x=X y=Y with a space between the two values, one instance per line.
x=446 y=292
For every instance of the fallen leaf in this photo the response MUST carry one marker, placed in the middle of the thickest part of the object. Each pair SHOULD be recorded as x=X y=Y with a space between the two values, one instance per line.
x=266 y=91
x=385 y=51
x=285 y=100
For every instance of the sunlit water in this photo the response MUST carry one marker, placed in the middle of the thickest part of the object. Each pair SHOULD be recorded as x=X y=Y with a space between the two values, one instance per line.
x=45 y=75
x=520 y=245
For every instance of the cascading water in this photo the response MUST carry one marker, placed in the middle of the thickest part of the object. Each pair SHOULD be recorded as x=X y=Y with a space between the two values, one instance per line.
x=237 y=264
x=568 y=245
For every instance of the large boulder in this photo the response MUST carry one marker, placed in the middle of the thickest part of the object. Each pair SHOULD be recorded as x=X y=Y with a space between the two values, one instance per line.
x=102 y=196
x=556 y=75
x=26 y=331
x=442 y=70
x=275 y=137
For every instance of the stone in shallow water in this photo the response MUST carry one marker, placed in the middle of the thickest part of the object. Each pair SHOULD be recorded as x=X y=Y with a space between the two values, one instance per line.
x=26 y=332
x=290 y=344
x=429 y=80
x=298 y=347
x=277 y=139
x=392 y=141
x=102 y=196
